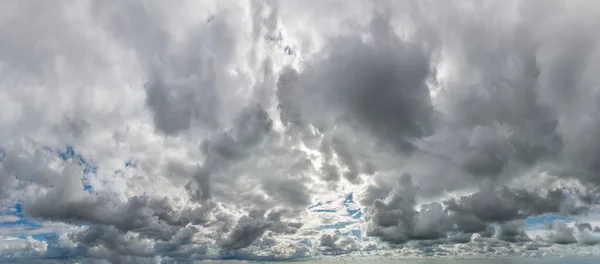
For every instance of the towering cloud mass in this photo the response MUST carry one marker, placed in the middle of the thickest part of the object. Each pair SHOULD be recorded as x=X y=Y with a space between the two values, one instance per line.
x=153 y=131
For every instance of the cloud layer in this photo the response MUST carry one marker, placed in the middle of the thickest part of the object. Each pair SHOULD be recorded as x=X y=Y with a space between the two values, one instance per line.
x=275 y=130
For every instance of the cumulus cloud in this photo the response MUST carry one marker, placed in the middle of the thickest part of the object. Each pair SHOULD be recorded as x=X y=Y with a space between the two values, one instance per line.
x=337 y=244
x=278 y=130
x=501 y=205
x=561 y=233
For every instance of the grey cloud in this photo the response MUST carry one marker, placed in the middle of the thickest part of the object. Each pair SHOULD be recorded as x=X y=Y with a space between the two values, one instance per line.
x=561 y=233
x=537 y=243
x=513 y=97
x=494 y=120
x=586 y=238
x=33 y=33
x=185 y=89
x=230 y=146
x=139 y=215
x=251 y=153
x=492 y=128
x=184 y=79
x=270 y=249
x=181 y=245
x=18 y=162
x=291 y=192
x=379 y=85
x=251 y=227
x=262 y=25
x=349 y=156
x=248 y=229
x=147 y=217
x=122 y=231
x=74 y=125
x=337 y=244
x=330 y=172
x=504 y=204
x=537 y=93
x=113 y=240
x=513 y=231
x=379 y=189
x=569 y=55
x=393 y=219
x=432 y=222
x=583 y=226
x=488 y=232
x=460 y=238
x=470 y=223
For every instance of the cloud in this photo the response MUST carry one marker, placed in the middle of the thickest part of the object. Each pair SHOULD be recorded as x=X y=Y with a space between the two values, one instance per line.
x=277 y=130
x=393 y=219
x=249 y=228
x=337 y=244
x=379 y=85
x=486 y=206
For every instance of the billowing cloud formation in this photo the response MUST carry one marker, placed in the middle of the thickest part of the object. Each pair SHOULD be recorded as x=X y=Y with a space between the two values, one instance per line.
x=276 y=130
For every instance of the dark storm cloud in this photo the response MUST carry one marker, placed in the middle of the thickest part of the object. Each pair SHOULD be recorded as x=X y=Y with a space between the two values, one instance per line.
x=561 y=233
x=378 y=85
x=352 y=162
x=394 y=219
x=251 y=227
x=569 y=56
x=250 y=129
x=106 y=243
x=505 y=204
x=379 y=189
x=112 y=239
x=583 y=226
x=150 y=218
x=496 y=121
x=531 y=80
x=123 y=234
x=513 y=231
x=432 y=222
x=120 y=227
x=251 y=153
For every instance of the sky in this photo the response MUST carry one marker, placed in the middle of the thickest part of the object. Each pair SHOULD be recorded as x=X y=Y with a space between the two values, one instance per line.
x=272 y=130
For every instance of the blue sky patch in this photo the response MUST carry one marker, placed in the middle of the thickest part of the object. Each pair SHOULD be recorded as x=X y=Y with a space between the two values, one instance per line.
x=90 y=168
x=23 y=223
x=324 y=211
x=38 y=237
x=17 y=210
x=351 y=208
x=129 y=163
x=537 y=221
x=315 y=205
x=335 y=226
x=349 y=198
x=69 y=153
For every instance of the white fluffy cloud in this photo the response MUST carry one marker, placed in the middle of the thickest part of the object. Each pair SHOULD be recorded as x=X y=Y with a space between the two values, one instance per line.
x=275 y=130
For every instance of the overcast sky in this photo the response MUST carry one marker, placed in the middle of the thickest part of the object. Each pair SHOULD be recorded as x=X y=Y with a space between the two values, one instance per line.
x=164 y=131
